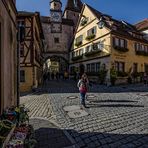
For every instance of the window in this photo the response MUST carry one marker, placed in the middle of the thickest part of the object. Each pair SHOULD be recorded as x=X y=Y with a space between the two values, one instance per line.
x=81 y=52
x=100 y=45
x=56 y=40
x=137 y=47
x=88 y=67
x=91 y=31
x=146 y=49
x=75 y=3
x=97 y=67
x=142 y=47
x=120 y=42
x=88 y=48
x=22 y=49
x=22 y=75
x=93 y=67
x=79 y=39
x=117 y=42
x=120 y=66
x=77 y=52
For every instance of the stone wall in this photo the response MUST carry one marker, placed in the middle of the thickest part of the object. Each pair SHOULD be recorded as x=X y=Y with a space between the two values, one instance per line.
x=8 y=54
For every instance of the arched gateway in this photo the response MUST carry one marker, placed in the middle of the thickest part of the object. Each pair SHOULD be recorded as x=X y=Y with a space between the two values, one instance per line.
x=55 y=63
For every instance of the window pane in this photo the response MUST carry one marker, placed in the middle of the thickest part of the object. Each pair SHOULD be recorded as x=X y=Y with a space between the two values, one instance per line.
x=116 y=41
x=93 y=67
x=122 y=43
x=97 y=67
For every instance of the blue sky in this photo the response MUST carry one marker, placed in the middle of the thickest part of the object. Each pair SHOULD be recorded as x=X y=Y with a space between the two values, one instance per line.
x=131 y=11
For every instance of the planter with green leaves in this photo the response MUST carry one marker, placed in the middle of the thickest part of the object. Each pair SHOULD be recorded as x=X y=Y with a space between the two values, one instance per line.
x=121 y=49
x=77 y=57
x=141 y=53
x=91 y=53
x=90 y=37
x=102 y=74
x=113 y=76
x=78 y=43
x=122 y=74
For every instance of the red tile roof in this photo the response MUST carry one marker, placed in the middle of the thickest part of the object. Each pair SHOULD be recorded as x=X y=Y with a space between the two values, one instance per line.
x=142 y=25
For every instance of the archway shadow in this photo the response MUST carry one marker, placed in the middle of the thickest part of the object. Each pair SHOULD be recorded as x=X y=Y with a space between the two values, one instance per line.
x=70 y=86
x=53 y=138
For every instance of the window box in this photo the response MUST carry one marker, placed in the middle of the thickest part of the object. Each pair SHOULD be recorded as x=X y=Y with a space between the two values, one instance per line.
x=93 y=52
x=122 y=74
x=141 y=53
x=121 y=49
x=77 y=57
x=78 y=43
x=90 y=37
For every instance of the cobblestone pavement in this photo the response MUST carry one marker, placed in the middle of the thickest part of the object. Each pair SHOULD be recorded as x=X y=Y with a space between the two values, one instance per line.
x=117 y=116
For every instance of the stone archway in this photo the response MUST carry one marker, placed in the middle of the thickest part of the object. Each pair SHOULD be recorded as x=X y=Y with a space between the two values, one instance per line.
x=55 y=64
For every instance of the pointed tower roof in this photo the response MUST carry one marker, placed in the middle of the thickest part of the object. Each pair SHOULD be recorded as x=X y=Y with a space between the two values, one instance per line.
x=74 y=5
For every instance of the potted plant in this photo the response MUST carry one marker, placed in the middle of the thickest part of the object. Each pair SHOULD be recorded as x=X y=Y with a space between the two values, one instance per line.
x=102 y=74
x=113 y=76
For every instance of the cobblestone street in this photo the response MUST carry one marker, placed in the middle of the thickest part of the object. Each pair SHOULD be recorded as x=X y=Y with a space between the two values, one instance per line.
x=116 y=117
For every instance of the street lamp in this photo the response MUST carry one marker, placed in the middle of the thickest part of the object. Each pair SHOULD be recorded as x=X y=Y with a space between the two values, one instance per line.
x=101 y=23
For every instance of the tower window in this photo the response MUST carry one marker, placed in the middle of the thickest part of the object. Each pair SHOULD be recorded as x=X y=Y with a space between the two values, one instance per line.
x=75 y=3
x=56 y=40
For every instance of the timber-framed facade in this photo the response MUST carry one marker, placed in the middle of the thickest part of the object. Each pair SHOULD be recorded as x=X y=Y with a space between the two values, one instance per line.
x=31 y=48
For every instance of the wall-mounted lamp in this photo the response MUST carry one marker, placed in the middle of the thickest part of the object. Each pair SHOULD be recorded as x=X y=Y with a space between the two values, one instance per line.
x=101 y=23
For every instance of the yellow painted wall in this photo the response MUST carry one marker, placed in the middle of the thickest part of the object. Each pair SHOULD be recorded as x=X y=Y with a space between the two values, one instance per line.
x=129 y=57
x=92 y=22
x=27 y=85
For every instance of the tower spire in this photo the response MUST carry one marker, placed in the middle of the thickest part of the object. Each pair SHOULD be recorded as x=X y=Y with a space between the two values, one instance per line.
x=74 y=5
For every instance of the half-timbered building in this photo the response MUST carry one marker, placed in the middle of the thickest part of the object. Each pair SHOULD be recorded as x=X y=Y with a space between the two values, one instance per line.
x=31 y=48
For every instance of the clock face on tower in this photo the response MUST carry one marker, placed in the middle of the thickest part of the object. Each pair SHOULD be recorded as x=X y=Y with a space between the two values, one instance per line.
x=56 y=16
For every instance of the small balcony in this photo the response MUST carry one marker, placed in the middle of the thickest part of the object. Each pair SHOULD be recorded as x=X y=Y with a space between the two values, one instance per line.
x=77 y=58
x=121 y=49
x=143 y=53
x=77 y=44
x=93 y=52
x=90 y=37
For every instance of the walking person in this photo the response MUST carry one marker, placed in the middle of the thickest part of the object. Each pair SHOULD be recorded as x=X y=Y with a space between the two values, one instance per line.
x=82 y=85
x=145 y=79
